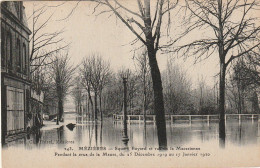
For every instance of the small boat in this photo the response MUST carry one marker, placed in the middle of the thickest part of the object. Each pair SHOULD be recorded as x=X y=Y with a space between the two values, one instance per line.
x=71 y=126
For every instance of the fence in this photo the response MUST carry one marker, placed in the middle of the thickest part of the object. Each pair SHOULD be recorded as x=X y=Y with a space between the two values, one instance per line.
x=151 y=118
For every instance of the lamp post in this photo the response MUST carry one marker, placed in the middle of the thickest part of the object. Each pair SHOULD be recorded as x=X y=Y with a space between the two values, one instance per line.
x=125 y=138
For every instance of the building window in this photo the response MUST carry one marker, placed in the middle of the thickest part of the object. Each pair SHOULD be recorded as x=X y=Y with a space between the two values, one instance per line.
x=19 y=56
x=3 y=49
x=25 y=63
x=9 y=51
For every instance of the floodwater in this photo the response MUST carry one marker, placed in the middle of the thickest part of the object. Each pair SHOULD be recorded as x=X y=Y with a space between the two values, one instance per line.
x=109 y=134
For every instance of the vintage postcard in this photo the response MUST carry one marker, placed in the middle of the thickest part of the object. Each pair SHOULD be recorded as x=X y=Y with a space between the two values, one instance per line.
x=130 y=83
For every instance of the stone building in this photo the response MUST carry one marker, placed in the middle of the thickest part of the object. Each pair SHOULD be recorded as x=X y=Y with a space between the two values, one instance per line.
x=15 y=76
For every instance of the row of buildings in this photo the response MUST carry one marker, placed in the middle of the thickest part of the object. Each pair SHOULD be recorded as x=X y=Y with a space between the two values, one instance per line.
x=19 y=103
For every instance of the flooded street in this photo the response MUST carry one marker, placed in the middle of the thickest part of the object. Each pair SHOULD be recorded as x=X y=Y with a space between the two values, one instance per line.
x=109 y=134
x=122 y=83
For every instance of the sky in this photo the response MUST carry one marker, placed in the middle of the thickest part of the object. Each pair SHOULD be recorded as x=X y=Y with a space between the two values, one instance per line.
x=106 y=35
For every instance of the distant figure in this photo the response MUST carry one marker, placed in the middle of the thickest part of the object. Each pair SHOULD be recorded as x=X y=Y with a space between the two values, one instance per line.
x=41 y=120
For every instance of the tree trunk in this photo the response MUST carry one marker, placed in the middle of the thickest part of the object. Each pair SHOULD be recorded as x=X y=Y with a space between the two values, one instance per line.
x=255 y=105
x=240 y=93
x=78 y=109
x=95 y=106
x=144 y=105
x=144 y=87
x=88 y=109
x=158 y=97
x=222 y=133
x=201 y=101
x=91 y=102
x=156 y=78
x=96 y=134
x=100 y=100
x=239 y=101
x=60 y=106
x=242 y=102
x=101 y=134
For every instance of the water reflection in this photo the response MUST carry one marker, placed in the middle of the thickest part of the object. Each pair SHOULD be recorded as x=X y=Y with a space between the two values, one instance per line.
x=145 y=136
x=96 y=134
x=222 y=131
x=37 y=136
x=101 y=128
x=60 y=133
x=109 y=134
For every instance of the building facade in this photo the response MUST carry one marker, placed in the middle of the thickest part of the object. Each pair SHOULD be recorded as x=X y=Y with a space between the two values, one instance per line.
x=15 y=76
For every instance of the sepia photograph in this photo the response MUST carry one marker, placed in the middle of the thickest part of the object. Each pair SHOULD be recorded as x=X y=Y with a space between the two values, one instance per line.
x=130 y=83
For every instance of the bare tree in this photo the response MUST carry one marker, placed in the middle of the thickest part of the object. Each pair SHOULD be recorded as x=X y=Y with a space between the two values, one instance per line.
x=205 y=97
x=112 y=95
x=177 y=89
x=96 y=71
x=252 y=79
x=144 y=71
x=244 y=83
x=252 y=70
x=43 y=44
x=61 y=73
x=77 y=95
x=40 y=79
x=104 y=79
x=202 y=85
x=85 y=82
x=132 y=87
x=232 y=94
x=232 y=32
x=147 y=29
